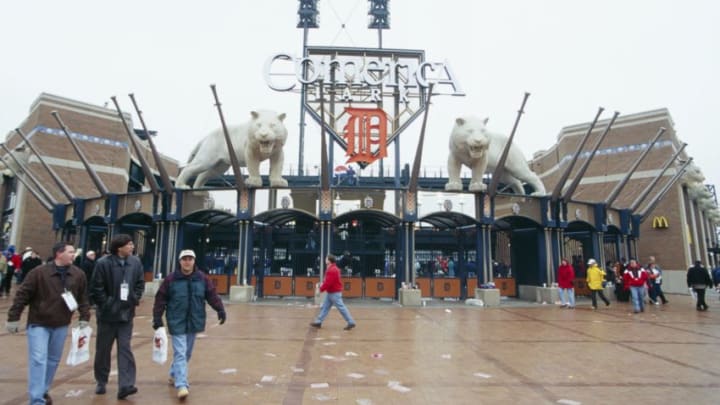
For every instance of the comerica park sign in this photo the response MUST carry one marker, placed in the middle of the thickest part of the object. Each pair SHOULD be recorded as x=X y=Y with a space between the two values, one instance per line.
x=352 y=73
x=369 y=96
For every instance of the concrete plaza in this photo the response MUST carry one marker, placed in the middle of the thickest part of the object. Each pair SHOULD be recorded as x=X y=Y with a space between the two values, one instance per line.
x=445 y=352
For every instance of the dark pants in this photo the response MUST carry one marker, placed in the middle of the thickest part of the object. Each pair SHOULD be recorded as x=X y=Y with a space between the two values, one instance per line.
x=7 y=280
x=107 y=333
x=594 y=294
x=701 y=305
x=657 y=292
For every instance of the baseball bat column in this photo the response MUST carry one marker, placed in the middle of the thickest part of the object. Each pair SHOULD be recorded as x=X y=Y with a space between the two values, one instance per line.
x=91 y=171
x=640 y=198
x=61 y=184
x=30 y=188
x=34 y=180
x=581 y=172
x=149 y=177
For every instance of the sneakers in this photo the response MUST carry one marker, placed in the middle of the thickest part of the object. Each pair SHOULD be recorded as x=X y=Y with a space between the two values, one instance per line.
x=47 y=398
x=317 y=325
x=100 y=389
x=171 y=381
x=182 y=393
x=349 y=326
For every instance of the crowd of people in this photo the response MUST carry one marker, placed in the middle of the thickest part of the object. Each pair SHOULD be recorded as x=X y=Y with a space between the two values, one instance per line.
x=631 y=281
x=54 y=291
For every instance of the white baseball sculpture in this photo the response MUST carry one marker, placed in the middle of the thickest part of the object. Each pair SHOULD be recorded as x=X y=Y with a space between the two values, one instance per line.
x=259 y=139
x=472 y=145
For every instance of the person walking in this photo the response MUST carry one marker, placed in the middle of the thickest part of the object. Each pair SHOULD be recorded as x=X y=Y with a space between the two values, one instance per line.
x=655 y=276
x=566 y=276
x=47 y=290
x=116 y=289
x=333 y=285
x=698 y=279
x=14 y=262
x=635 y=278
x=30 y=260
x=181 y=297
x=595 y=277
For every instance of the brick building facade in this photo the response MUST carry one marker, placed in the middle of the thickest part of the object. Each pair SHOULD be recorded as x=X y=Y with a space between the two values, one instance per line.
x=687 y=235
x=102 y=138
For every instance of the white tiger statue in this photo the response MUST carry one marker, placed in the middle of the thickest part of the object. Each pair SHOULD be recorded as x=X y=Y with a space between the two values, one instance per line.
x=261 y=138
x=472 y=145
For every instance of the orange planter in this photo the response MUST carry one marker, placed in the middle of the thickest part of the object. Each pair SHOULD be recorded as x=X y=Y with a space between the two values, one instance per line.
x=447 y=288
x=380 y=287
x=581 y=288
x=221 y=283
x=471 y=286
x=279 y=286
x=352 y=287
x=506 y=286
x=305 y=286
x=424 y=285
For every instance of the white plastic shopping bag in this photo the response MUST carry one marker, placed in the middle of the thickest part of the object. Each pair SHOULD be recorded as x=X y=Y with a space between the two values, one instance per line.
x=160 y=346
x=80 y=348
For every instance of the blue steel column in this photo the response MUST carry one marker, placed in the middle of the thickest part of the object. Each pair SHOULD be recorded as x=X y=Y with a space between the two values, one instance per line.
x=245 y=209
x=542 y=257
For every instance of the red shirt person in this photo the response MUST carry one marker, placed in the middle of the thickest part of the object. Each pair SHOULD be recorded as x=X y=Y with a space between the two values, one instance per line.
x=333 y=286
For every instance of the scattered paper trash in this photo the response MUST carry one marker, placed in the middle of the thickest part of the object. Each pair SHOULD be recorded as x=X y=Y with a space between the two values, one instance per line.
x=297 y=370
x=327 y=357
x=201 y=336
x=474 y=301
x=446 y=356
x=448 y=310
x=74 y=393
x=356 y=376
x=267 y=379
x=351 y=354
x=363 y=401
x=228 y=371
x=395 y=385
x=322 y=397
x=271 y=354
x=320 y=385
x=568 y=402
x=482 y=375
x=329 y=343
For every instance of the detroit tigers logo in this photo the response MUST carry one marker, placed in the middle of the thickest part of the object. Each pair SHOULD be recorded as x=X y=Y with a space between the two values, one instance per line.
x=365 y=134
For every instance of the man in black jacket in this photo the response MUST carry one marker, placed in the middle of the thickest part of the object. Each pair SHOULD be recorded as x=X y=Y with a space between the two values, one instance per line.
x=116 y=289
x=698 y=279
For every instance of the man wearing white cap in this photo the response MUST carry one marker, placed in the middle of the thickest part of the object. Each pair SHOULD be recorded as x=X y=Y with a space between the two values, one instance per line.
x=181 y=297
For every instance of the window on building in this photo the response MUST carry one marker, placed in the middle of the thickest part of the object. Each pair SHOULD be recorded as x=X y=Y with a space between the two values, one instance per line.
x=136 y=178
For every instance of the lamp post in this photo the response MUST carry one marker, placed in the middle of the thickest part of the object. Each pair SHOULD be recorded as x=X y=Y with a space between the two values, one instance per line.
x=379 y=17
x=307 y=18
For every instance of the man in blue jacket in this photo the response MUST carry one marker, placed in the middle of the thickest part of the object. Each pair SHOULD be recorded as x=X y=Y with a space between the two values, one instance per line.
x=182 y=296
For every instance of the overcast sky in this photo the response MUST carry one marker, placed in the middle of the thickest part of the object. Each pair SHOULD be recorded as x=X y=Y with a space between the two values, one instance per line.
x=573 y=56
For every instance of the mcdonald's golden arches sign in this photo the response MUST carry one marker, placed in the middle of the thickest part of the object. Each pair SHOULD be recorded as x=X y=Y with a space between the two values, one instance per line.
x=660 y=222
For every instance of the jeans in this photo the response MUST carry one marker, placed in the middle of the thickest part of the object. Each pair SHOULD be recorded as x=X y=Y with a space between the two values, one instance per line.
x=182 y=352
x=638 y=297
x=570 y=300
x=45 y=349
x=334 y=299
